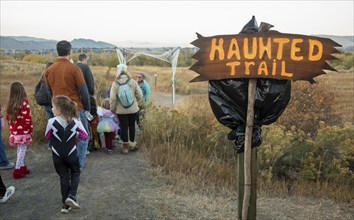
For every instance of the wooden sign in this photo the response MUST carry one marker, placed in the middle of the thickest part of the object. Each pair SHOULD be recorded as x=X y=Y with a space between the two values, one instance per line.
x=262 y=55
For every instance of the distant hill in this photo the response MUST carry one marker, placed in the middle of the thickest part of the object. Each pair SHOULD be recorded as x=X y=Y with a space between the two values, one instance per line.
x=32 y=43
x=87 y=43
x=347 y=42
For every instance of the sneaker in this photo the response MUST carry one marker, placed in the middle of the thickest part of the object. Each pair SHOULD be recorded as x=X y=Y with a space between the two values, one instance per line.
x=109 y=151
x=133 y=146
x=9 y=192
x=10 y=165
x=65 y=209
x=71 y=201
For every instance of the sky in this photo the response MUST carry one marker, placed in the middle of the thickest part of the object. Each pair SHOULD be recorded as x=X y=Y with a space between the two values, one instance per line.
x=168 y=23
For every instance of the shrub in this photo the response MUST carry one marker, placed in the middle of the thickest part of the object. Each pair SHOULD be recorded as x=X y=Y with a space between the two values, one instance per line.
x=309 y=105
x=34 y=58
x=292 y=155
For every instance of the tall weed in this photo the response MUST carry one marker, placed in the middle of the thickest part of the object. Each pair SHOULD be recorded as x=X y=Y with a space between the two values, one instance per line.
x=189 y=142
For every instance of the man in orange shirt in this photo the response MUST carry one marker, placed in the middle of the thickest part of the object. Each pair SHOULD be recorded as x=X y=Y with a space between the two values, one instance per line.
x=65 y=78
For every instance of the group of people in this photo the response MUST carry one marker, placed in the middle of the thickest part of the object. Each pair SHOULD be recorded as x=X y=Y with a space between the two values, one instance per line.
x=66 y=90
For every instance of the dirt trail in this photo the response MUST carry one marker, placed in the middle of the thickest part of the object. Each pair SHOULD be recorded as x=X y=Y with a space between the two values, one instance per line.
x=119 y=186
x=165 y=99
x=111 y=186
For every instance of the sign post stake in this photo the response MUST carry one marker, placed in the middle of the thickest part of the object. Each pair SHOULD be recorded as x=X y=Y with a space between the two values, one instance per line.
x=248 y=163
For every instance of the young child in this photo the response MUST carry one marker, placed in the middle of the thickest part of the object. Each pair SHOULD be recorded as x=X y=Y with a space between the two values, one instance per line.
x=63 y=131
x=18 y=115
x=108 y=124
x=94 y=143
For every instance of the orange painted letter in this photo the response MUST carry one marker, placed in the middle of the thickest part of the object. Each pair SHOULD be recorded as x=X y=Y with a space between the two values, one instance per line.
x=246 y=51
x=281 y=42
x=247 y=67
x=265 y=48
x=233 y=66
x=218 y=48
x=283 y=71
x=262 y=68
x=233 y=49
x=295 y=49
x=312 y=45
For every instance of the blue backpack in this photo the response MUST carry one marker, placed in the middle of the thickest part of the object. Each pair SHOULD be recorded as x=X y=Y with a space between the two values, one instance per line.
x=125 y=94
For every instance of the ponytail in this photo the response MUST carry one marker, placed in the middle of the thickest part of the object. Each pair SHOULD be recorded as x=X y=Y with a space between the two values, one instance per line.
x=66 y=106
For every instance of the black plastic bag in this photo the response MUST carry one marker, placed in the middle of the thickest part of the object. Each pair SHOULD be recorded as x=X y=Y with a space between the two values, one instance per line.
x=228 y=99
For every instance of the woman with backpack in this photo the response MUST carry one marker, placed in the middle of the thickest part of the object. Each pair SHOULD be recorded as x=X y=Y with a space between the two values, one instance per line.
x=125 y=94
x=41 y=94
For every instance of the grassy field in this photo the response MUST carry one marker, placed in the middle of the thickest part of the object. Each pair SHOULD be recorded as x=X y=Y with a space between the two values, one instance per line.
x=341 y=83
x=188 y=143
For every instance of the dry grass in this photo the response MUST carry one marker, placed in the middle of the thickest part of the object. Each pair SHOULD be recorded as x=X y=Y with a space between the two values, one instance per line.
x=190 y=147
x=199 y=163
x=188 y=204
x=26 y=73
x=342 y=84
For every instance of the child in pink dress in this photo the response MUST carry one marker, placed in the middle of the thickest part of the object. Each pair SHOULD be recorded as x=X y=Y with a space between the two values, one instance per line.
x=108 y=124
x=18 y=115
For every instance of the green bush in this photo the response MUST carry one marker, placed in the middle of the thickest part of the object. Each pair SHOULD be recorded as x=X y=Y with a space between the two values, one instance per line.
x=292 y=155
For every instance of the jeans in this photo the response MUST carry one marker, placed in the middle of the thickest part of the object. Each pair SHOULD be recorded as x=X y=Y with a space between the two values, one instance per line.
x=83 y=144
x=3 y=159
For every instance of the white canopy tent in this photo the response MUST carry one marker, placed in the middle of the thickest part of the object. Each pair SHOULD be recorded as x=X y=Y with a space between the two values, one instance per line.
x=170 y=56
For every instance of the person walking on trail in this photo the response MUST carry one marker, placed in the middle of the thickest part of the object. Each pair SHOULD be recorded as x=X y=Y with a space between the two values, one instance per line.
x=4 y=162
x=5 y=193
x=18 y=115
x=108 y=124
x=41 y=93
x=86 y=71
x=144 y=86
x=63 y=131
x=145 y=89
x=127 y=114
x=65 y=78
x=42 y=96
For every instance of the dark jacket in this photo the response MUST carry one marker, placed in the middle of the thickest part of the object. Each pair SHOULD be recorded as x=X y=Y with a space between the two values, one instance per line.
x=86 y=71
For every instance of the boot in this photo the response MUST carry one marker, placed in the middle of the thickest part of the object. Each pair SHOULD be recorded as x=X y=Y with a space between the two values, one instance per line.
x=133 y=146
x=25 y=170
x=17 y=174
x=125 y=148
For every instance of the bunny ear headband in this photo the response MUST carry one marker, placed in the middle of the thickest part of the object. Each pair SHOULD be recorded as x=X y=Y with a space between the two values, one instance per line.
x=121 y=68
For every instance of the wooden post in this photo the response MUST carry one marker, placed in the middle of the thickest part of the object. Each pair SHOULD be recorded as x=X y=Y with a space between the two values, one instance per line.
x=155 y=79
x=248 y=163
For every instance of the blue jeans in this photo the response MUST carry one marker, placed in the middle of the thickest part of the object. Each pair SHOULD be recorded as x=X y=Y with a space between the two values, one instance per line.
x=83 y=144
x=3 y=159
